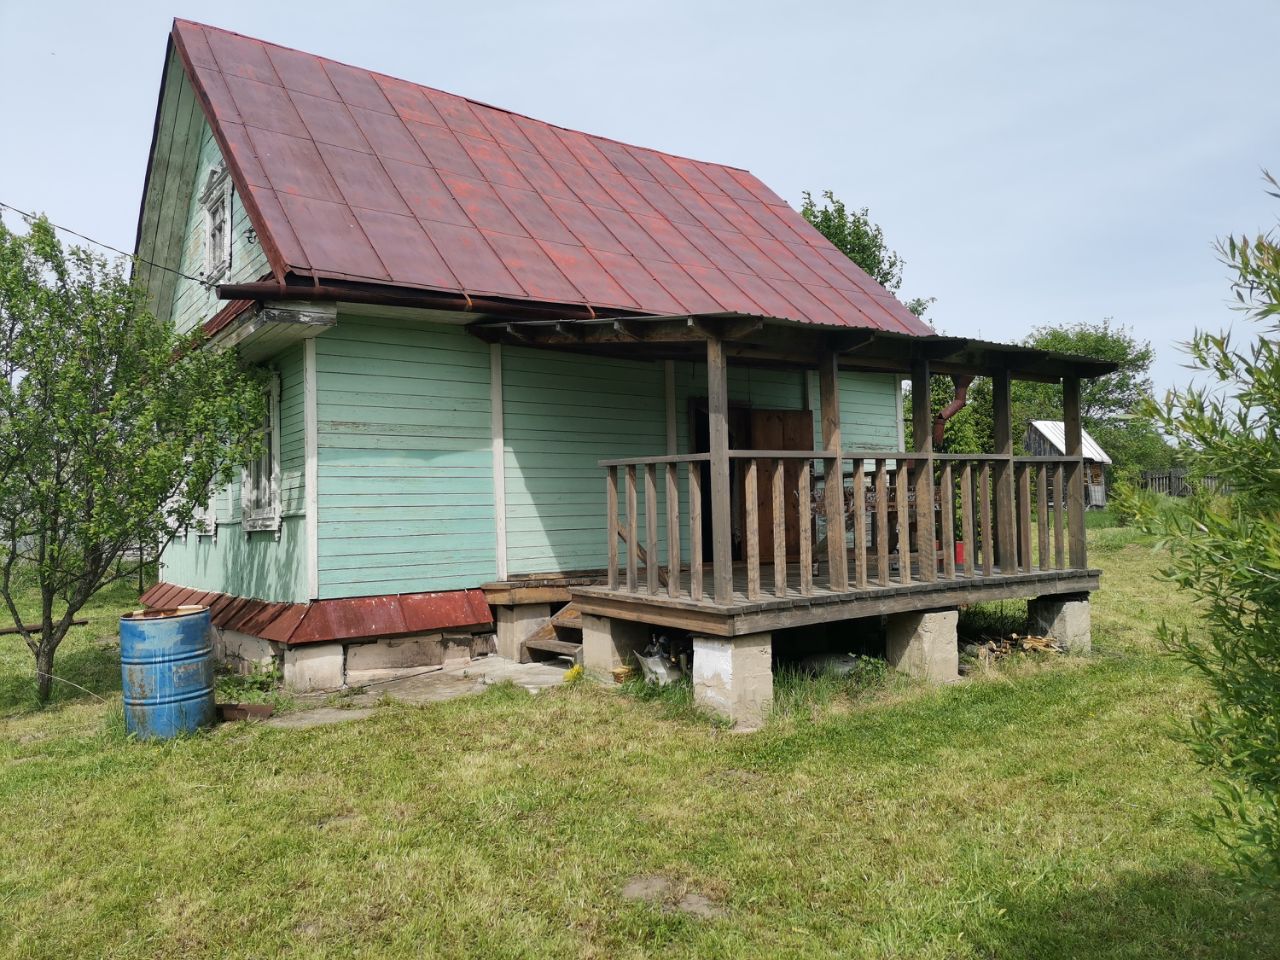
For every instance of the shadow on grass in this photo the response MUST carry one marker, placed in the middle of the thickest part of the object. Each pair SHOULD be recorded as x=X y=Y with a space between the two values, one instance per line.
x=1190 y=911
x=93 y=666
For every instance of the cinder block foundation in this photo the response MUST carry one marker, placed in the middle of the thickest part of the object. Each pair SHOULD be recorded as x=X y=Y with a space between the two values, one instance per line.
x=515 y=624
x=608 y=643
x=924 y=645
x=315 y=666
x=245 y=654
x=733 y=677
x=1065 y=618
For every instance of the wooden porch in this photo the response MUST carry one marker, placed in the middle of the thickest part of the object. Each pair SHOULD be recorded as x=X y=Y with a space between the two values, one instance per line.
x=733 y=542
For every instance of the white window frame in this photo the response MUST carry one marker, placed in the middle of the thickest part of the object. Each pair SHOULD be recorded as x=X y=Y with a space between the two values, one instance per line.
x=217 y=194
x=260 y=481
x=204 y=519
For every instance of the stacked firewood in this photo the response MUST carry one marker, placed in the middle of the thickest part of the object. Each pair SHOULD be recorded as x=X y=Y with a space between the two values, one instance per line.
x=990 y=649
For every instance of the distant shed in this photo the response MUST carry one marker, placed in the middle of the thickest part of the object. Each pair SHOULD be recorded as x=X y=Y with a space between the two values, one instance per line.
x=1047 y=438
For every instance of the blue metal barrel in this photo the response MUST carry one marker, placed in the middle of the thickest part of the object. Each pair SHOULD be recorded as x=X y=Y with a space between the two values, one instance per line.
x=166 y=660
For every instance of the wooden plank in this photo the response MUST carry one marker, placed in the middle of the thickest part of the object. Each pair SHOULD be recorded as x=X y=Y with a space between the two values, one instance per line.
x=805 y=512
x=633 y=532
x=1076 y=550
x=611 y=511
x=1059 y=542
x=859 y=524
x=1042 y=514
x=984 y=507
x=35 y=627
x=673 y=530
x=922 y=432
x=833 y=472
x=948 y=521
x=752 y=532
x=695 y=531
x=651 y=527
x=779 y=529
x=1024 y=516
x=966 y=516
x=718 y=434
x=904 y=525
x=1006 y=542
x=882 y=522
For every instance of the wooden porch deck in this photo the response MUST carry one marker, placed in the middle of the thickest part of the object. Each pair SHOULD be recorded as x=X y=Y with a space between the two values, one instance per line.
x=823 y=604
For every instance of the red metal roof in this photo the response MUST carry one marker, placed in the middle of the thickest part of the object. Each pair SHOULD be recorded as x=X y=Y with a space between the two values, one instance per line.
x=352 y=175
x=326 y=621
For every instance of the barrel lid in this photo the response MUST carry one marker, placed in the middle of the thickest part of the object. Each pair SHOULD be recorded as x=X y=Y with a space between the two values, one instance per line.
x=165 y=613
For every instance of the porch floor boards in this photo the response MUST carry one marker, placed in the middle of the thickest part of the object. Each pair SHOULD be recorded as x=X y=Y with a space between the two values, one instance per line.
x=824 y=604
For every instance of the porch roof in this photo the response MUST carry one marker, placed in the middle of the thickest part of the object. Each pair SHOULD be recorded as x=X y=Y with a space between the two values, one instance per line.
x=779 y=340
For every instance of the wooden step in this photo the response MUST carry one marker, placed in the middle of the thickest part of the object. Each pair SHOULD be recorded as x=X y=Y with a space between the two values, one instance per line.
x=569 y=617
x=561 y=648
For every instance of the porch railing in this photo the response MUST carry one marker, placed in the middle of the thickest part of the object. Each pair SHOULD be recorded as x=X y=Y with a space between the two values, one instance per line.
x=894 y=518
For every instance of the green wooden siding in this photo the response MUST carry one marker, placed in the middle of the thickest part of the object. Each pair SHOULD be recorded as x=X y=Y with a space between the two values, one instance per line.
x=405 y=464
x=562 y=413
x=193 y=302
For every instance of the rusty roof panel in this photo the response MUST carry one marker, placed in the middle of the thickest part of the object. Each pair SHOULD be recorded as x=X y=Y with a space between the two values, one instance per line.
x=335 y=157
x=441 y=611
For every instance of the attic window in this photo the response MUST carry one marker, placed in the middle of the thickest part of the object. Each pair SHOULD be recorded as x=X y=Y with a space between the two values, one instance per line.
x=216 y=201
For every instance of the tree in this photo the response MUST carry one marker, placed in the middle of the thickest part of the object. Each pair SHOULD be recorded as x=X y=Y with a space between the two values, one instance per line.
x=112 y=428
x=1106 y=403
x=1226 y=552
x=862 y=241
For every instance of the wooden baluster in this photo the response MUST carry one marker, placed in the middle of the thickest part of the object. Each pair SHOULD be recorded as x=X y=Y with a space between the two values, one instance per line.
x=1059 y=544
x=859 y=524
x=779 y=529
x=651 y=527
x=966 y=516
x=633 y=531
x=611 y=509
x=805 y=510
x=837 y=548
x=752 y=503
x=882 y=522
x=984 y=506
x=673 y=530
x=926 y=537
x=1042 y=514
x=695 y=531
x=948 y=503
x=904 y=524
x=1024 y=516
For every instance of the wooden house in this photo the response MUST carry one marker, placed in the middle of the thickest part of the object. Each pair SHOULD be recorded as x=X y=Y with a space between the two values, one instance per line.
x=517 y=367
x=1048 y=438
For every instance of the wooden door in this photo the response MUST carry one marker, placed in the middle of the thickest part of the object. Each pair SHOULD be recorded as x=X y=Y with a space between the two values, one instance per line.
x=780 y=430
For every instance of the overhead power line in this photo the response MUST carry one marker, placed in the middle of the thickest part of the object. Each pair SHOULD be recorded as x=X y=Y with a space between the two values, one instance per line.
x=99 y=243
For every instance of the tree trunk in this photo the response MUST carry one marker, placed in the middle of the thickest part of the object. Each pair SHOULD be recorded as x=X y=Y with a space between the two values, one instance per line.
x=44 y=671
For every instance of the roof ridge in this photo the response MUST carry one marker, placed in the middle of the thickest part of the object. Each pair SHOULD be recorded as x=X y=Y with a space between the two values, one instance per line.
x=460 y=96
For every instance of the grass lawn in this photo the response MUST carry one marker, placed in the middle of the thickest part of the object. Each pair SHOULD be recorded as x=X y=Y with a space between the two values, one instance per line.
x=1041 y=811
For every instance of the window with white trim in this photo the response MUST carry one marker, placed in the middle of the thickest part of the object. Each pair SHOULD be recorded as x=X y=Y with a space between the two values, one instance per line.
x=216 y=201
x=260 y=484
x=204 y=519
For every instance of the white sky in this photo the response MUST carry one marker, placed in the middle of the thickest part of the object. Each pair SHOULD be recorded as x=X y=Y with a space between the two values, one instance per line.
x=1033 y=163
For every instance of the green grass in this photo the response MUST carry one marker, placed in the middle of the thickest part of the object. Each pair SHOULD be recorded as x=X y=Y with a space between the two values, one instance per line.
x=1042 y=811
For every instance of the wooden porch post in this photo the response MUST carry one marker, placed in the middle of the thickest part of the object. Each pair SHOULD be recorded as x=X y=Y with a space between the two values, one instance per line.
x=1074 y=440
x=922 y=432
x=1006 y=535
x=718 y=434
x=833 y=472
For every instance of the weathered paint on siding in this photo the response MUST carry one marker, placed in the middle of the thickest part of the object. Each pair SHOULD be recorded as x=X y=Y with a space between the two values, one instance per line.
x=193 y=303
x=562 y=414
x=405 y=489
x=259 y=566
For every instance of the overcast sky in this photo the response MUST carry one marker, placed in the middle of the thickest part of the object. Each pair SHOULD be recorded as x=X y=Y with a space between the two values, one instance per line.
x=1033 y=163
